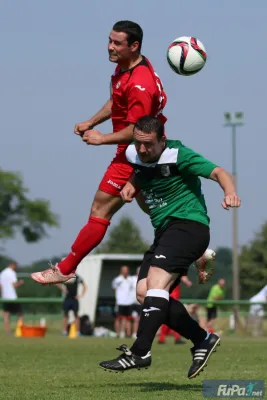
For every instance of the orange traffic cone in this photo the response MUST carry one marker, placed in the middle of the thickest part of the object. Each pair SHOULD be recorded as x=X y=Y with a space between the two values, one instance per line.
x=18 y=332
x=73 y=331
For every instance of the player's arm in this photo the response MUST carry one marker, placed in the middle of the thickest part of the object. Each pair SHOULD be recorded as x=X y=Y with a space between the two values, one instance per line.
x=123 y=136
x=116 y=282
x=62 y=288
x=18 y=283
x=101 y=116
x=191 y=163
x=84 y=289
x=186 y=281
x=226 y=182
x=218 y=298
x=129 y=190
x=140 y=100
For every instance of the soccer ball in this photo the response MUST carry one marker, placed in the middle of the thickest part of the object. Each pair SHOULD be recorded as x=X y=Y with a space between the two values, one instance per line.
x=186 y=55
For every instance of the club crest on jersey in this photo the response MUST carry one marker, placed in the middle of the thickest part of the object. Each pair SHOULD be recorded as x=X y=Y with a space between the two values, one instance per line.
x=165 y=170
x=118 y=85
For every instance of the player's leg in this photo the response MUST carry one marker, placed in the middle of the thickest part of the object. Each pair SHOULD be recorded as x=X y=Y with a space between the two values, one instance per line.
x=75 y=309
x=136 y=317
x=152 y=317
x=65 y=308
x=123 y=320
x=205 y=265
x=211 y=316
x=156 y=303
x=163 y=333
x=19 y=313
x=128 y=327
x=106 y=203
x=6 y=318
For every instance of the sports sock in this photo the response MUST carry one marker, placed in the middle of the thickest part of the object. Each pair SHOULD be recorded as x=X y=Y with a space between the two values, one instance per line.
x=164 y=330
x=88 y=238
x=180 y=321
x=153 y=314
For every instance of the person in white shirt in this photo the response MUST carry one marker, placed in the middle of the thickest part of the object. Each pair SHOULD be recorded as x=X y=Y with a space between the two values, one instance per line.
x=8 y=284
x=122 y=285
x=257 y=309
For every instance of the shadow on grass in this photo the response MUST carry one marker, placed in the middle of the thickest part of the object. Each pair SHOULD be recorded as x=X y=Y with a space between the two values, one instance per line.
x=143 y=386
x=162 y=386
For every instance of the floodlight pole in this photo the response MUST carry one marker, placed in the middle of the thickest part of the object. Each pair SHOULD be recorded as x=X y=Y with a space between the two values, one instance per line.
x=234 y=120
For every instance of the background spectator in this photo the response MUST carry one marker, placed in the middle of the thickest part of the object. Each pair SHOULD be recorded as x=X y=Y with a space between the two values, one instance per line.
x=123 y=286
x=217 y=292
x=9 y=283
x=71 y=302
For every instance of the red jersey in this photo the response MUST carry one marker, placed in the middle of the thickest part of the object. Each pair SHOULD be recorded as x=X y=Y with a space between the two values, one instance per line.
x=135 y=93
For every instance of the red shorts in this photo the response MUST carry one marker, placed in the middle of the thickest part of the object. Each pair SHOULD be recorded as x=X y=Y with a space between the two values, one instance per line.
x=116 y=176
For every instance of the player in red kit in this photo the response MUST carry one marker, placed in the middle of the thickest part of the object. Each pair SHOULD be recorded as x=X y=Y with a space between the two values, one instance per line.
x=136 y=90
x=165 y=330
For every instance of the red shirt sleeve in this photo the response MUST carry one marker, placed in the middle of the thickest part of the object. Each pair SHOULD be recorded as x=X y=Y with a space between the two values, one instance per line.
x=140 y=101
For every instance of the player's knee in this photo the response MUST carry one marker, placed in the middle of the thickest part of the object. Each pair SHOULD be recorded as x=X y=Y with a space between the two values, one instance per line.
x=97 y=210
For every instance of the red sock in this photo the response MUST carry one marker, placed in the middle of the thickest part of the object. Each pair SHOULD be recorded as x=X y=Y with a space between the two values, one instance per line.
x=176 y=336
x=163 y=332
x=88 y=238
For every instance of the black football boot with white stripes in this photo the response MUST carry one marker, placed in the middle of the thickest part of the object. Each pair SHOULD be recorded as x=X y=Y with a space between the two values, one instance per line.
x=202 y=353
x=127 y=360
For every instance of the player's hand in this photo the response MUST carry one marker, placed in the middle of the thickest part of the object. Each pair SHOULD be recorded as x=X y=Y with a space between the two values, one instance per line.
x=128 y=193
x=21 y=282
x=93 y=137
x=81 y=127
x=231 y=200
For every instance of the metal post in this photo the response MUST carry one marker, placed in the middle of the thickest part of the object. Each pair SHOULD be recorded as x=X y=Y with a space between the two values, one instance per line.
x=236 y=287
x=233 y=120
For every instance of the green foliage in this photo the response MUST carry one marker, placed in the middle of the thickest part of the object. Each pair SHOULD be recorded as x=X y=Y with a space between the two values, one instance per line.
x=124 y=238
x=20 y=214
x=253 y=264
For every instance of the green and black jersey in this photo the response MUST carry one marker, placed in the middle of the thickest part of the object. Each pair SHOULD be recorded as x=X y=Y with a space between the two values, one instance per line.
x=171 y=185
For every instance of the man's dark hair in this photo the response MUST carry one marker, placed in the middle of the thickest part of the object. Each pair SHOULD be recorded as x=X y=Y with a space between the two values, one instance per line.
x=148 y=124
x=132 y=29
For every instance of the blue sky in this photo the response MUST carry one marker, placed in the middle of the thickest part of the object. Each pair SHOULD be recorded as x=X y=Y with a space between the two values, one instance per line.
x=55 y=72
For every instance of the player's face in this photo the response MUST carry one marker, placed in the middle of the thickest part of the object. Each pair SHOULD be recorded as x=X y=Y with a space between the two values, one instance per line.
x=118 y=48
x=149 y=148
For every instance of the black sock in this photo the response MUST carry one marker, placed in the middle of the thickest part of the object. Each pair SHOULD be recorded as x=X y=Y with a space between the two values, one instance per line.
x=152 y=316
x=180 y=321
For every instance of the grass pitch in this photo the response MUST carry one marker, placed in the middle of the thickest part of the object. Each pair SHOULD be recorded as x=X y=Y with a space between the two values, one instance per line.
x=60 y=368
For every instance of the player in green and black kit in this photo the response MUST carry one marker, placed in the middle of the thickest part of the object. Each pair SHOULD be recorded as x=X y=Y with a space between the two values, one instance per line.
x=167 y=173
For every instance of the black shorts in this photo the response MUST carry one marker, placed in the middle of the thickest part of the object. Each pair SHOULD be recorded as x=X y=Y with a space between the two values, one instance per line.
x=70 y=304
x=124 y=311
x=136 y=310
x=211 y=313
x=12 y=308
x=176 y=247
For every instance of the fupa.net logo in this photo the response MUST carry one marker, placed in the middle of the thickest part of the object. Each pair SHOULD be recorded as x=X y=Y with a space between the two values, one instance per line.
x=237 y=390
x=233 y=389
